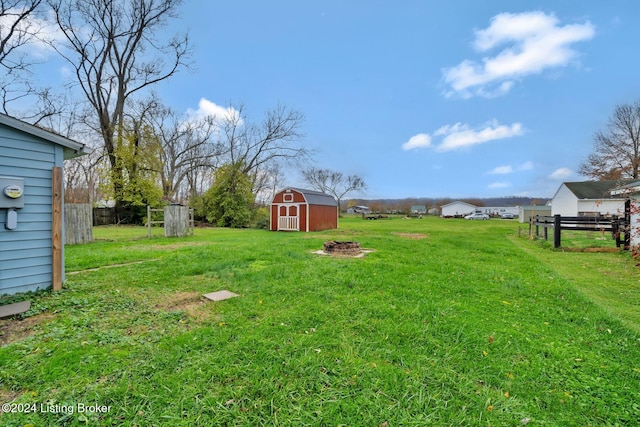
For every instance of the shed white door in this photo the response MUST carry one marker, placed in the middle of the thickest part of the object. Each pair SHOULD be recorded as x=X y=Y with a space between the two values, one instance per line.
x=288 y=218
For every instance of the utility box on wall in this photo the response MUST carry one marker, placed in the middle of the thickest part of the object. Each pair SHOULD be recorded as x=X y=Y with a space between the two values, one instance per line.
x=11 y=192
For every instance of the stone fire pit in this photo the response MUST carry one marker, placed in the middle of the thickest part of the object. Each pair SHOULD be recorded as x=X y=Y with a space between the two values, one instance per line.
x=341 y=248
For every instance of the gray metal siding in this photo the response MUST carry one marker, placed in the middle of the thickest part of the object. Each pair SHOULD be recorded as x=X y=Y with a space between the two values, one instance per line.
x=25 y=253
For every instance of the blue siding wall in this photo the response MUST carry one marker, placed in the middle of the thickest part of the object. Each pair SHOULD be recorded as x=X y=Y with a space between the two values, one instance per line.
x=25 y=253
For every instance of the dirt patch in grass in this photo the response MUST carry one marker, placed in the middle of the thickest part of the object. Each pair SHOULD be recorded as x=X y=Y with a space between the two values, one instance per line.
x=192 y=303
x=594 y=250
x=360 y=254
x=7 y=396
x=414 y=236
x=15 y=329
x=112 y=266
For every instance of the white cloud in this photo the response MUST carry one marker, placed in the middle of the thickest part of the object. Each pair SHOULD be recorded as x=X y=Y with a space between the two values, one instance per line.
x=507 y=169
x=501 y=170
x=531 y=42
x=496 y=185
x=209 y=108
x=417 y=141
x=37 y=33
x=460 y=135
x=526 y=166
x=561 y=173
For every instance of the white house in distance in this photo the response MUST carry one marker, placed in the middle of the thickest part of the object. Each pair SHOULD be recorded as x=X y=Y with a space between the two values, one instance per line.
x=456 y=209
x=460 y=209
x=499 y=210
x=587 y=198
x=419 y=210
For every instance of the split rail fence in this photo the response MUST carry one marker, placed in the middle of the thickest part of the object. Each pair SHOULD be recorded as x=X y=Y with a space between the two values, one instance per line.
x=177 y=221
x=617 y=226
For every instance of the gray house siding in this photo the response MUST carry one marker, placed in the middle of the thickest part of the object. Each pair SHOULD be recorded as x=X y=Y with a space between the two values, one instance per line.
x=25 y=253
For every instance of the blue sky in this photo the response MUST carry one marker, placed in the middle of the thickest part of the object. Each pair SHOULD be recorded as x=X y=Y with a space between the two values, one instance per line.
x=422 y=98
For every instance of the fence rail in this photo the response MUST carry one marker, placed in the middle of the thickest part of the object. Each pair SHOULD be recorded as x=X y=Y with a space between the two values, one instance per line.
x=617 y=226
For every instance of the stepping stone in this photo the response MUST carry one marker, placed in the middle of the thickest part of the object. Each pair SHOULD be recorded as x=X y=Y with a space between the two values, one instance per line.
x=13 y=309
x=220 y=295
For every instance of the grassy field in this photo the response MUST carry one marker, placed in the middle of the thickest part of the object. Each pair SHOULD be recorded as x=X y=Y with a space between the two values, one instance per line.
x=444 y=323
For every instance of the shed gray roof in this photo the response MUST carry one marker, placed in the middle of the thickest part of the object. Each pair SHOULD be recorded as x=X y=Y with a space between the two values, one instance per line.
x=71 y=148
x=594 y=189
x=317 y=197
x=632 y=187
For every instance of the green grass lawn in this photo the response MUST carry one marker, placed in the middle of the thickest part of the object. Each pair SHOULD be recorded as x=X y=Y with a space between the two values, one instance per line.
x=445 y=323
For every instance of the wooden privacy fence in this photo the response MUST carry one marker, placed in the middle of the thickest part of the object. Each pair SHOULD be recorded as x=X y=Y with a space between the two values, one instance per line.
x=104 y=216
x=177 y=220
x=613 y=224
x=78 y=223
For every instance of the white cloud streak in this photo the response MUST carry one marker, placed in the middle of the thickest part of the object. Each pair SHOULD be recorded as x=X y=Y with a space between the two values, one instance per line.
x=501 y=170
x=531 y=42
x=497 y=185
x=561 y=173
x=526 y=166
x=37 y=34
x=459 y=135
x=417 y=141
x=208 y=108
x=508 y=169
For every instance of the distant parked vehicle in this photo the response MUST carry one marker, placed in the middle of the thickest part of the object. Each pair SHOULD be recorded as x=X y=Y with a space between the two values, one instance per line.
x=507 y=215
x=477 y=215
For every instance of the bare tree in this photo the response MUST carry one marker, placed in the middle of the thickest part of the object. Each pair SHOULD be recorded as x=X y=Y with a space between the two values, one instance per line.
x=260 y=148
x=616 y=153
x=81 y=178
x=187 y=150
x=332 y=182
x=117 y=51
x=20 y=27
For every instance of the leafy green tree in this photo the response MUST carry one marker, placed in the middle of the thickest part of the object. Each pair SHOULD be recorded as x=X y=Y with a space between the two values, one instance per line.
x=229 y=201
x=137 y=184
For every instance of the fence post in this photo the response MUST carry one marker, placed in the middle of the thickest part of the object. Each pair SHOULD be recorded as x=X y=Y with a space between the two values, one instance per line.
x=627 y=224
x=557 y=226
x=57 y=236
x=148 y=221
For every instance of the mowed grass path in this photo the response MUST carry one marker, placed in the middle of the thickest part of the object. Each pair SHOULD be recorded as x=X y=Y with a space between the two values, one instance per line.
x=447 y=322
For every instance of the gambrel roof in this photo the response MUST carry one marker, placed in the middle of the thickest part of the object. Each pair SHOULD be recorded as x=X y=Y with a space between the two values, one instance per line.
x=314 y=197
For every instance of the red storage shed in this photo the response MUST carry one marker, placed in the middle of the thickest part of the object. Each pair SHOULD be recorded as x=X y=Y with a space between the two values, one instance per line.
x=295 y=209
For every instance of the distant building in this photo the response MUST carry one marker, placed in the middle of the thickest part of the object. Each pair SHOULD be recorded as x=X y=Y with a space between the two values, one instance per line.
x=525 y=213
x=418 y=210
x=588 y=198
x=456 y=209
x=358 y=210
x=499 y=210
